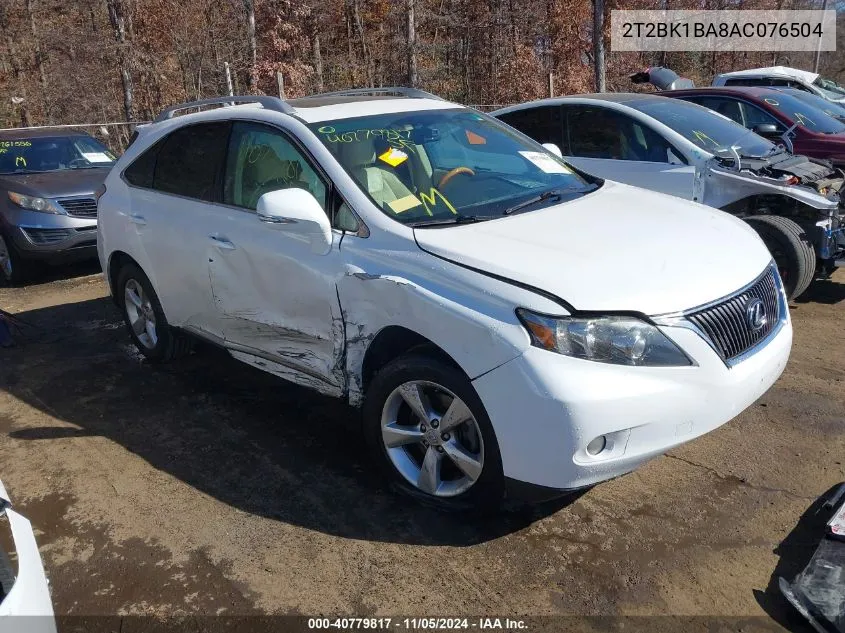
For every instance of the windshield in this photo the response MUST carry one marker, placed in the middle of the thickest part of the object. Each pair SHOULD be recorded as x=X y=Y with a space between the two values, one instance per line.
x=830 y=108
x=712 y=132
x=830 y=86
x=420 y=167
x=52 y=153
x=803 y=113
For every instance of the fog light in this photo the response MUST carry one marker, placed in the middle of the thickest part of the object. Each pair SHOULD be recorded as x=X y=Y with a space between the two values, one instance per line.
x=597 y=445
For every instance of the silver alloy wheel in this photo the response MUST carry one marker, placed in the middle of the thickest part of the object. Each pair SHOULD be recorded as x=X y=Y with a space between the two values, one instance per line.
x=432 y=438
x=5 y=259
x=142 y=318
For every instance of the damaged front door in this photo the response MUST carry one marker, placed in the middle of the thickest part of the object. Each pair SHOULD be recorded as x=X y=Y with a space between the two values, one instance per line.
x=276 y=298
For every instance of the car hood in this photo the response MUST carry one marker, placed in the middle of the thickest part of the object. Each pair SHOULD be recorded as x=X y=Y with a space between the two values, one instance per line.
x=55 y=184
x=619 y=248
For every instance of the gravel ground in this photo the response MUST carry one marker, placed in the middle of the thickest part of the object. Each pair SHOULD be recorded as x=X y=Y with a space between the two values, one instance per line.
x=206 y=487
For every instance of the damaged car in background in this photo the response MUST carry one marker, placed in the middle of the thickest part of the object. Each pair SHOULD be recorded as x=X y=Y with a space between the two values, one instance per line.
x=25 y=605
x=691 y=152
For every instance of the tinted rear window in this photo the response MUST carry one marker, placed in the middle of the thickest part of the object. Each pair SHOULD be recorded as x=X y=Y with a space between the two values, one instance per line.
x=189 y=161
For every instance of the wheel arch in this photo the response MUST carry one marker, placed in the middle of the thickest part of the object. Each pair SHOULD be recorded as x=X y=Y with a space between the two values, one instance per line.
x=394 y=341
x=117 y=260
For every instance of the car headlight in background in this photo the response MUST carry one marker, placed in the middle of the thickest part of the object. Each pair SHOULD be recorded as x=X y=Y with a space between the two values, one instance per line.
x=620 y=340
x=33 y=203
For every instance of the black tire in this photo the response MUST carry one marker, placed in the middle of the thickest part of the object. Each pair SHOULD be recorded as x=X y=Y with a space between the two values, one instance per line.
x=171 y=343
x=791 y=250
x=487 y=492
x=20 y=268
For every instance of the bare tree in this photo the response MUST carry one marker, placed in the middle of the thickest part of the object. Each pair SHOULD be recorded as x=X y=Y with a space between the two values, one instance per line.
x=598 y=44
x=39 y=60
x=249 y=6
x=413 y=79
x=121 y=22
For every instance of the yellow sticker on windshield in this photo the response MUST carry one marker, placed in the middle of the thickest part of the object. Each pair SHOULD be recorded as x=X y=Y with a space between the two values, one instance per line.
x=403 y=204
x=393 y=157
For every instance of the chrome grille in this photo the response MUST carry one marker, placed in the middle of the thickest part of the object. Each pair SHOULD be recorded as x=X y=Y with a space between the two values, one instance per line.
x=727 y=324
x=79 y=207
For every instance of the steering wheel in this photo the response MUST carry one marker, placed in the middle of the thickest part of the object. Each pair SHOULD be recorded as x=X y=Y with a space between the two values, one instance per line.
x=454 y=172
x=78 y=162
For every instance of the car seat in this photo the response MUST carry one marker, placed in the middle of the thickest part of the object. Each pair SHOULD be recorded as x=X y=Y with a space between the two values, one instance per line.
x=382 y=184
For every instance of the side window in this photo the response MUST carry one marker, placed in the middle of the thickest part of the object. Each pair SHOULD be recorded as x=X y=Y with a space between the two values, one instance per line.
x=724 y=106
x=140 y=172
x=601 y=133
x=262 y=159
x=754 y=116
x=751 y=81
x=190 y=159
x=543 y=123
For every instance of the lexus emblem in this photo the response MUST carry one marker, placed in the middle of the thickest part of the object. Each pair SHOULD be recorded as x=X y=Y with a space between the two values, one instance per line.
x=755 y=314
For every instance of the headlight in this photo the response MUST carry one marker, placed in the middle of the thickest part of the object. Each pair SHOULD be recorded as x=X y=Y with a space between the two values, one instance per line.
x=34 y=204
x=620 y=340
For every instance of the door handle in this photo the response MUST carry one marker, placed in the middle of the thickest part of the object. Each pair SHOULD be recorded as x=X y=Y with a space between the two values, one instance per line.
x=140 y=220
x=221 y=242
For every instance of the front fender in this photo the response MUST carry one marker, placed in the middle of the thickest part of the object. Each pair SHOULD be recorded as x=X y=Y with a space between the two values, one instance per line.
x=476 y=326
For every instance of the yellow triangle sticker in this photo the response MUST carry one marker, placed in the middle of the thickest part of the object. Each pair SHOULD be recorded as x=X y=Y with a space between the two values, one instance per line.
x=393 y=157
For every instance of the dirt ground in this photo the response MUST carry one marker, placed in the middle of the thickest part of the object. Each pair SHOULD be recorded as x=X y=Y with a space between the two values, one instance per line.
x=206 y=487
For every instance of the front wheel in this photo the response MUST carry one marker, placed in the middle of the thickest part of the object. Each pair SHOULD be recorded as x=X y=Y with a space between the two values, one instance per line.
x=428 y=429
x=790 y=248
x=12 y=268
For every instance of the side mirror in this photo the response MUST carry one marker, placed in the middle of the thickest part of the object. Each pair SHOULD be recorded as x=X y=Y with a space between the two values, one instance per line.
x=766 y=129
x=297 y=212
x=554 y=149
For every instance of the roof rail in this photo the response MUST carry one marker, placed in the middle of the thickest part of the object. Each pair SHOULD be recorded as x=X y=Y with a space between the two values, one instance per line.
x=411 y=93
x=267 y=102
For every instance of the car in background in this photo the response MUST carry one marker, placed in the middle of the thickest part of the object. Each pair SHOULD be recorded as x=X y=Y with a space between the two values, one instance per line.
x=691 y=152
x=509 y=326
x=48 y=206
x=25 y=603
x=772 y=113
x=785 y=77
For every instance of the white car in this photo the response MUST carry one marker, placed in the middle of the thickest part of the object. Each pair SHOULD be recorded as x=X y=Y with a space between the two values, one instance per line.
x=510 y=327
x=25 y=604
x=784 y=76
x=689 y=151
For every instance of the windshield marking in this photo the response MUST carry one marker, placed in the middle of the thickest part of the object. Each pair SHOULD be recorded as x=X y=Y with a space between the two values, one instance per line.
x=430 y=200
x=803 y=118
x=20 y=160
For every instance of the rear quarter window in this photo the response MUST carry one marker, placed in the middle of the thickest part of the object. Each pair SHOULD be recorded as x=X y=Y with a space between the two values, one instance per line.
x=140 y=172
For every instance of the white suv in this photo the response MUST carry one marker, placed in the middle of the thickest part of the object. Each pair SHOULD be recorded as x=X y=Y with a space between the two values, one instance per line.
x=510 y=325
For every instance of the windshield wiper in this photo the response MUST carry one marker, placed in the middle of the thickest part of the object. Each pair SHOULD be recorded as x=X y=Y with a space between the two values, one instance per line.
x=546 y=195
x=458 y=219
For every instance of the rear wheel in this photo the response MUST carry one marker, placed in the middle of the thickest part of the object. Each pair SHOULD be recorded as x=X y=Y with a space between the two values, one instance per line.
x=427 y=428
x=143 y=315
x=790 y=248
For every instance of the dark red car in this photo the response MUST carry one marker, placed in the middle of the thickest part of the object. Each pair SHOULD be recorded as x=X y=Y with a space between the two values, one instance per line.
x=771 y=112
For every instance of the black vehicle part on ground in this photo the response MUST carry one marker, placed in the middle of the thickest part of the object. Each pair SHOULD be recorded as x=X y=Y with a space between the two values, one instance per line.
x=791 y=250
x=662 y=78
x=818 y=592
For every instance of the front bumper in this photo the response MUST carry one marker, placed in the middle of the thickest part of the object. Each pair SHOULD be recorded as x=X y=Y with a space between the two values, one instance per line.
x=546 y=408
x=48 y=235
x=29 y=594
